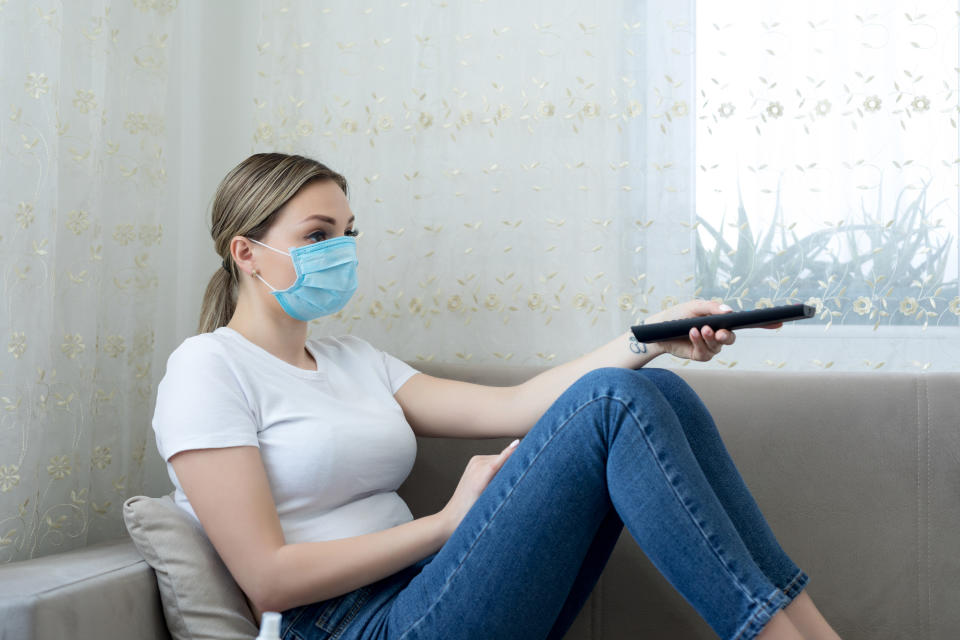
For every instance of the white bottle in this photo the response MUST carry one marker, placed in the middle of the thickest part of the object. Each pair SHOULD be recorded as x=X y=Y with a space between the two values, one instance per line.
x=269 y=626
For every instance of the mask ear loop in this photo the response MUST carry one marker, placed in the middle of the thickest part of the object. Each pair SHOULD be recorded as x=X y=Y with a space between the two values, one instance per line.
x=269 y=247
x=257 y=273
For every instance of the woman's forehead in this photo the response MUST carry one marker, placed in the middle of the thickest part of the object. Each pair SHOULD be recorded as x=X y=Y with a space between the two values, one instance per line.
x=317 y=202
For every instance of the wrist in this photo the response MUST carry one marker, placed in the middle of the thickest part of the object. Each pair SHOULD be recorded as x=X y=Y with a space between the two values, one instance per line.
x=443 y=526
x=644 y=351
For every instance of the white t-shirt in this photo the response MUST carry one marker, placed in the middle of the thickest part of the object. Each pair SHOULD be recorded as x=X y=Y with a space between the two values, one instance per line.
x=334 y=442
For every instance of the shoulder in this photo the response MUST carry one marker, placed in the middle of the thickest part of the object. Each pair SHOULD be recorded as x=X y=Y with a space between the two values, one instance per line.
x=205 y=352
x=201 y=372
x=360 y=356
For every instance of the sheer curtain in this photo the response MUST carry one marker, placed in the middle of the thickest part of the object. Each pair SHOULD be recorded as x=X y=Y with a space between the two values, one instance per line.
x=507 y=165
x=528 y=181
x=507 y=162
x=526 y=176
x=518 y=169
x=827 y=173
x=84 y=190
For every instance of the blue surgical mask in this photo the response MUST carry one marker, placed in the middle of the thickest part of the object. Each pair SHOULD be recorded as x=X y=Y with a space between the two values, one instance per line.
x=326 y=278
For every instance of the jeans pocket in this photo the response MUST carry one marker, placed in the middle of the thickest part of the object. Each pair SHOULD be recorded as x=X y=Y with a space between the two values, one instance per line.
x=336 y=614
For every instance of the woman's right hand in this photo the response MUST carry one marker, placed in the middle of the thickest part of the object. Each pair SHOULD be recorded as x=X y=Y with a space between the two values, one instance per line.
x=480 y=470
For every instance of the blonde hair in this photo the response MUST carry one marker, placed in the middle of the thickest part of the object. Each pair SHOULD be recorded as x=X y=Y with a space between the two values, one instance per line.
x=246 y=204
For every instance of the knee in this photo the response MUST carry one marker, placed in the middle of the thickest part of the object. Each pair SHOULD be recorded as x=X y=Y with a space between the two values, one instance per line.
x=614 y=379
x=671 y=385
x=665 y=377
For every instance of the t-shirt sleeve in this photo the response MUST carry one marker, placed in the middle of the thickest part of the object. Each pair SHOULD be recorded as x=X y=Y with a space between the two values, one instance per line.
x=200 y=403
x=398 y=371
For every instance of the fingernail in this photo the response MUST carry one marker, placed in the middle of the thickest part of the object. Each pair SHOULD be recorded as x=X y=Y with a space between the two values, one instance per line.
x=513 y=444
x=724 y=307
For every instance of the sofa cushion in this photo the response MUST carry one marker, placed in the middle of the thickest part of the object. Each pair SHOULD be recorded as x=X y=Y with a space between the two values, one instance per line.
x=200 y=598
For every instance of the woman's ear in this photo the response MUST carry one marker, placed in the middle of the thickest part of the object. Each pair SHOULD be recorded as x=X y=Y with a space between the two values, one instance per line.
x=241 y=251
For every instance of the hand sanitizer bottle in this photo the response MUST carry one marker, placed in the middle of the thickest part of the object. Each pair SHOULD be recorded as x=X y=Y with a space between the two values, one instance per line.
x=270 y=626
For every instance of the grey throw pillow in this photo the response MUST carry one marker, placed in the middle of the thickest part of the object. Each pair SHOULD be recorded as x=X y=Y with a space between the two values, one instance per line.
x=200 y=598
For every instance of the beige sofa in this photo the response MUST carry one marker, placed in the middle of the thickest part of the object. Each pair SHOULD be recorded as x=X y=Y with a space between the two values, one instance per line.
x=858 y=474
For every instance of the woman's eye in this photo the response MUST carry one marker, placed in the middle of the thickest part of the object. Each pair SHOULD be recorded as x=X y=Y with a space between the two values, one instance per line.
x=320 y=236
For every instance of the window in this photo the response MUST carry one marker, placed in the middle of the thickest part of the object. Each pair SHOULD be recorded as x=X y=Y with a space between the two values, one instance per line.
x=827 y=159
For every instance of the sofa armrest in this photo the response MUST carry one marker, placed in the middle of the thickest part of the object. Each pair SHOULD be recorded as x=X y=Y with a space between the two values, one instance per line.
x=101 y=591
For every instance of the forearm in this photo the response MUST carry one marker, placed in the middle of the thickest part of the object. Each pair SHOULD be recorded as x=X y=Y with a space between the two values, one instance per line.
x=534 y=397
x=313 y=571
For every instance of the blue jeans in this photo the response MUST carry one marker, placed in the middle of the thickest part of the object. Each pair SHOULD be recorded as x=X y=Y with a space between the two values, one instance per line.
x=618 y=447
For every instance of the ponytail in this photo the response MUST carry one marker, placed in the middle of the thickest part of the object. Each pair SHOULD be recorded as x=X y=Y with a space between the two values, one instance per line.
x=219 y=301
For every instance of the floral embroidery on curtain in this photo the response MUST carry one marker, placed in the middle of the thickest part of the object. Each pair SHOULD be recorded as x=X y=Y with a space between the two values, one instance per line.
x=83 y=184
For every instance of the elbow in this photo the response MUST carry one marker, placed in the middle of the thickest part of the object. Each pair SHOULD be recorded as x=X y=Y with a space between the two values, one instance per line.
x=261 y=606
x=265 y=592
x=264 y=597
x=258 y=597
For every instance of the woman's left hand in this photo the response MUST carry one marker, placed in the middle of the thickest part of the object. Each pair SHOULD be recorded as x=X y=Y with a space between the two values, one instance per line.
x=701 y=344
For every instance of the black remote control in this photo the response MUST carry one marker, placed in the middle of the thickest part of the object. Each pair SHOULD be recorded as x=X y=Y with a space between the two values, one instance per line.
x=734 y=320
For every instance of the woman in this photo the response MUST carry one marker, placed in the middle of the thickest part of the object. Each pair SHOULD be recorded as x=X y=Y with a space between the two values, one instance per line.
x=289 y=452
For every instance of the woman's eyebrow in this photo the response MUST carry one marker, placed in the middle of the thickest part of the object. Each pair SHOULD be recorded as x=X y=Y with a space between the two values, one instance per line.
x=317 y=216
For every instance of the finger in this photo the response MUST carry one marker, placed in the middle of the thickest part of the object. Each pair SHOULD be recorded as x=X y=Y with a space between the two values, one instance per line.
x=708 y=347
x=726 y=336
x=776 y=325
x=703 y=307
x=699 y=348
x=498 y=462
x=710 y=340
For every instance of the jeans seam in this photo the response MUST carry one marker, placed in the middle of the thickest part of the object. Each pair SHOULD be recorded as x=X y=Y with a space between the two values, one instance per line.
x=764 y=607
x=293 y=623
x=796 y=578
x=453 y=574
x=358 y=604
x=706 y=538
